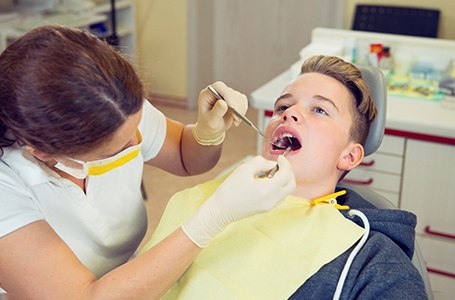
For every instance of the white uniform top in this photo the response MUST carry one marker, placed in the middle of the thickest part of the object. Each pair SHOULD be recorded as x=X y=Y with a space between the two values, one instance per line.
x=104 y=226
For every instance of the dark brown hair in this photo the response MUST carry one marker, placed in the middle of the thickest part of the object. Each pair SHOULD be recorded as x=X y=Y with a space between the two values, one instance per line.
x=64 y=91
x=363 y=108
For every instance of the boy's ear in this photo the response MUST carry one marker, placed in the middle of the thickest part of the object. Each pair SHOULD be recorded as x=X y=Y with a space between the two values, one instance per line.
x=351 y=157
x=42 y=156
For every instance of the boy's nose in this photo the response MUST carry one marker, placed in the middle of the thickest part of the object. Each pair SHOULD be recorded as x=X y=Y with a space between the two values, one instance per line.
x=290 y=116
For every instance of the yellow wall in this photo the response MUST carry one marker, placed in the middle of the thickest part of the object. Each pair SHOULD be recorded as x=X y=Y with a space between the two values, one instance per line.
x=162 y=45
x=446 y=17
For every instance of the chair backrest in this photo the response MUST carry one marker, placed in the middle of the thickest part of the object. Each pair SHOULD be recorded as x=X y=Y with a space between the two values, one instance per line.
x=397 y=20
x=378 y=87
x=381 y=202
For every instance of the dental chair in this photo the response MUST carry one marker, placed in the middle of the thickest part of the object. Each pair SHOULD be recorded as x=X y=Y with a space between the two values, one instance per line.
x=378 y=87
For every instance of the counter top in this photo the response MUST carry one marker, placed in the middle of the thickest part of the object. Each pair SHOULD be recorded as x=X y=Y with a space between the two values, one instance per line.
x=415 y=116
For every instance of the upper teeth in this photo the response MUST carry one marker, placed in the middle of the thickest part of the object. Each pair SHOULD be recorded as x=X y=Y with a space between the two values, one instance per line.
x=286 y=134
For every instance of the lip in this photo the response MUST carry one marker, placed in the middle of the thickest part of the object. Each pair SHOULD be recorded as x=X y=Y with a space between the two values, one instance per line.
x=279 y=131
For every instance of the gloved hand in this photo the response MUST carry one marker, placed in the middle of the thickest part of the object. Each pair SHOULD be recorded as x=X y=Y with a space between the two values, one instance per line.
x=213 y=117
x=239 y=196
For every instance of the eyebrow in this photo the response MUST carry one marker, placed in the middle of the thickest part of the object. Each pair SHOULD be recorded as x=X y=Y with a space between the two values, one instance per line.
x=284 y=96
x=318 y=97
x=322 y=98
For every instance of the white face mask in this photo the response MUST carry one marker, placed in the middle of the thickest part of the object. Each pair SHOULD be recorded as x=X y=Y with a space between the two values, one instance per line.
x=82 y=169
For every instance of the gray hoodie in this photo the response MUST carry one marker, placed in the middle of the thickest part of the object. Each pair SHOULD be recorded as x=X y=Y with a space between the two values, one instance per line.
x=382 y=269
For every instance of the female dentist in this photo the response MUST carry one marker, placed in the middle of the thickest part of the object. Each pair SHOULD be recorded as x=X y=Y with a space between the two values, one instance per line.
x=75 y=132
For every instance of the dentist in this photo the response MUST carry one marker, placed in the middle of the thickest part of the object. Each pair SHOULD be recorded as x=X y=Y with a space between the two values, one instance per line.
x=75 y=132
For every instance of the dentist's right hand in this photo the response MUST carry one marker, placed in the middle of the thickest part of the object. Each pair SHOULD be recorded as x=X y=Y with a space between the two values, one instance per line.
x=241 y=195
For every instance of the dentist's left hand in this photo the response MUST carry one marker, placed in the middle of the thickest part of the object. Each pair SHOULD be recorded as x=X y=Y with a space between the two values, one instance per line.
x=213 y=117
x=241 y=195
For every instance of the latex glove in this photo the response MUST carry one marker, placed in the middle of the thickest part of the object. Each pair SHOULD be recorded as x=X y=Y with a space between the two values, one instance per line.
x=239 y=196
x=213 y=117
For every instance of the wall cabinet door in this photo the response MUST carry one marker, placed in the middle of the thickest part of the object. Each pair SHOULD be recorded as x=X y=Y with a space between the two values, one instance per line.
x=429 y=191
x=429 y=185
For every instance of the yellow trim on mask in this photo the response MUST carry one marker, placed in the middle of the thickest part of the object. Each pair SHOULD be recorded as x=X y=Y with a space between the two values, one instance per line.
x=99 y=170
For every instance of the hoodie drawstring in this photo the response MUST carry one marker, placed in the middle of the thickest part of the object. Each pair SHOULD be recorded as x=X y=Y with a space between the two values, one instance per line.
x=351 y=213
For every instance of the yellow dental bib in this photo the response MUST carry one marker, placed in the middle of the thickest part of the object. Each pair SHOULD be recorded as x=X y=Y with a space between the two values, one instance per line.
x=267 y=256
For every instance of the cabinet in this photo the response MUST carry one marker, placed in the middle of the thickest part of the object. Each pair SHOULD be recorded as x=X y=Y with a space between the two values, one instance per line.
x=97 y=19
x=382 y=170
x=429 y=191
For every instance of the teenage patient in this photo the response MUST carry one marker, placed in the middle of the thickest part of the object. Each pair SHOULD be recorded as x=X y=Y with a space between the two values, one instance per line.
x=299 y=249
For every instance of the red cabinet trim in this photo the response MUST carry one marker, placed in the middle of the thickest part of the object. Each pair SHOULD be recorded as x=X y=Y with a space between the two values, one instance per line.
x=429 y=231
x=441 y=272
x=421 y=136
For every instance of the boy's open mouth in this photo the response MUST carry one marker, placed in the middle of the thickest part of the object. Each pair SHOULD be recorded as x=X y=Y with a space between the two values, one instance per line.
x=286 y=140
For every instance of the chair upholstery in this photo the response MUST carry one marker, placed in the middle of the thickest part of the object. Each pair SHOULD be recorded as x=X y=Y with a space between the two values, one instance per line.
x=397 y=20
x=378 y=87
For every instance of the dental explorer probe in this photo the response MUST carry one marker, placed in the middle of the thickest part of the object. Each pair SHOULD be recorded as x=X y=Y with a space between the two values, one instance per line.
x=245 y=119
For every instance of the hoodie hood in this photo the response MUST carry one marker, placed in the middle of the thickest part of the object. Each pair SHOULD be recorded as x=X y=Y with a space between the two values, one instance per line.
x=397 y=224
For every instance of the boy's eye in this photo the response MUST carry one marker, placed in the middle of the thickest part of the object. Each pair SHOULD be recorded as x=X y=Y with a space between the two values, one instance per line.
x=280 y=108
x=320 y=111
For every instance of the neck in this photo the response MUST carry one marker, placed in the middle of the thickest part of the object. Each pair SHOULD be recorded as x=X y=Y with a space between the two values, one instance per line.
x=314 y=189
x=79 y=182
